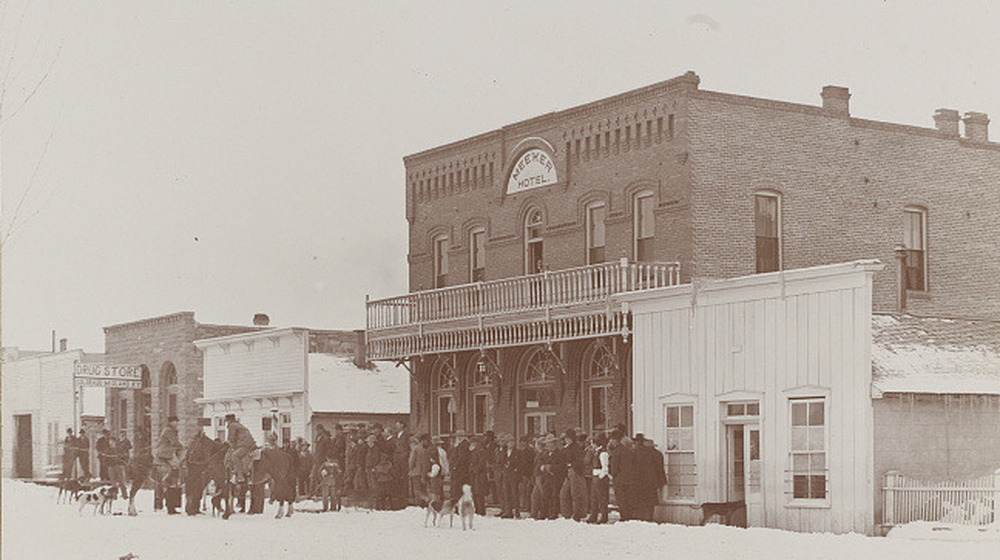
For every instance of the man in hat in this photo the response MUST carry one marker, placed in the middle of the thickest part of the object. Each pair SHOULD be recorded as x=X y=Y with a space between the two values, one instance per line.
x=600 y=481
x=167 y=460
x=242 y=444
x=622 y=467
x=573 y=494
x=553 y=474
x=460 y=460
x=650 y=477
x=479 y=473
x=104 y=459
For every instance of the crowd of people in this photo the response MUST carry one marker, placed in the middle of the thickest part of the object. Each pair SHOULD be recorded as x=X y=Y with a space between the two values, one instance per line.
x=540 y=476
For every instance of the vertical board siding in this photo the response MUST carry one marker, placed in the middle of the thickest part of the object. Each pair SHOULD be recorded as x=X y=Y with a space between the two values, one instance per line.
x=812 y=341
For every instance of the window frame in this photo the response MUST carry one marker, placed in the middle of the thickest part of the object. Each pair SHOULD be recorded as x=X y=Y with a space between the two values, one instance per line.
x=920 y=211
x=532 y=227
x=477 y=274
x=790 y=472
x=589 y=232
x=638 y=223
x=669 y=453
x=779 y=241
x=440 y=256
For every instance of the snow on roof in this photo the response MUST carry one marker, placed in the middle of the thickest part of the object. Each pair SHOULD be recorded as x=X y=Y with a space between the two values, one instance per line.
x=337 y=385
x=939 y=356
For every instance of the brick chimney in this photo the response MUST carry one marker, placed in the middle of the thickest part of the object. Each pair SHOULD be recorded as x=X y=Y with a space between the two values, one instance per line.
x=837 y=100
x=261 y=320
x=62 y=344
x=946 y=120
x=976 y=127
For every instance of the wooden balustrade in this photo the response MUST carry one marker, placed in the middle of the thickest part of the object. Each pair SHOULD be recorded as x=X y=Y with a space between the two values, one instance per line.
x=554 y=305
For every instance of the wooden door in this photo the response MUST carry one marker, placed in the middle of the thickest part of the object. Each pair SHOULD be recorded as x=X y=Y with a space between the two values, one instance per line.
x=753 y=476
x=23 y=460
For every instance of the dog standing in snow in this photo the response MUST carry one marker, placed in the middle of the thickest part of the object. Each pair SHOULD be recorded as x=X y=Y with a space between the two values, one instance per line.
x=102 y=498
x=212 y=497
x=466 y=506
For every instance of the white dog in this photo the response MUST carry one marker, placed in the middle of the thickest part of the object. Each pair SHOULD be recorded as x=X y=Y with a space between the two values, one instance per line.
x=102 y=498
x=466 y=506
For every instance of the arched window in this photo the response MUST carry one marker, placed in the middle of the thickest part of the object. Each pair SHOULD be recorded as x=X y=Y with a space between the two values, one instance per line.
x=600 y=365
x=537 y=392
x=169 y=390
x=644 y=226
x=597 y=213
x=534 y=257
x=477 y=255
x=144 y=402
x=440 y=261
x=445 y=395
x=481 y=376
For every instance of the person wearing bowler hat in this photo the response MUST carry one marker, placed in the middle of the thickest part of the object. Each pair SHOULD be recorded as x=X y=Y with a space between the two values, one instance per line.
x=649 y=477
x=460 y=460
x=241 y=445
x=167 y=461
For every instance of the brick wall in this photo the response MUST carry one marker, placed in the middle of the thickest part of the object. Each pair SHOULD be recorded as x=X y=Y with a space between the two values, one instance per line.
x=508 y=411
x=935 y=438
x=844 y=184
x=154 y=343
x=613 y=173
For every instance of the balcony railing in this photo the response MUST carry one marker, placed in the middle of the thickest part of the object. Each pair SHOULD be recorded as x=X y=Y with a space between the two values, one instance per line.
x=558 y=305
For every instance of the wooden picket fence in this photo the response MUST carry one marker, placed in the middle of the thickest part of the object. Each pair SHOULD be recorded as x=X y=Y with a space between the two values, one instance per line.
x=967 y=502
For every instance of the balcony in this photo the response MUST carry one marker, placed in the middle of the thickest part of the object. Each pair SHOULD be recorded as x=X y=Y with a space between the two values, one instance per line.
x=567 y=304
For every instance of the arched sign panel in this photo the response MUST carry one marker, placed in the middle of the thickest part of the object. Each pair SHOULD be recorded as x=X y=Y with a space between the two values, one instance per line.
x=533 y=169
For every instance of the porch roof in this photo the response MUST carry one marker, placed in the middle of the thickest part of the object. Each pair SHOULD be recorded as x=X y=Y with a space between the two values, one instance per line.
x=933 y=355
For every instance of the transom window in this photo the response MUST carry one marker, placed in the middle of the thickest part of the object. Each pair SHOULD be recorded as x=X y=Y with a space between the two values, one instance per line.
x=742 y=409
x=596 y=238
x=914 y=243
x=682 y=476
x=767 y=225
x=644 y=226
x=542 y=368
x=808 y=448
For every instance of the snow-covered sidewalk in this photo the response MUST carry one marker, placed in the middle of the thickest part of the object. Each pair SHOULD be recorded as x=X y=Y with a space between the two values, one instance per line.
x=35 y=527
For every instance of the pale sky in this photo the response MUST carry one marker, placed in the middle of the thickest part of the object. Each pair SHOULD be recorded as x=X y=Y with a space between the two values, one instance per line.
x=229 y=158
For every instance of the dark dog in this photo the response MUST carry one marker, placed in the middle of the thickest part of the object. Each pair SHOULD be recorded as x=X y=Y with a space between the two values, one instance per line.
x=732 y=513
x=69 y=490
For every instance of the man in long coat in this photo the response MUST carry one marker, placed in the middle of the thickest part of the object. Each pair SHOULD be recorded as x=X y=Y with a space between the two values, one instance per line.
x=650 y=477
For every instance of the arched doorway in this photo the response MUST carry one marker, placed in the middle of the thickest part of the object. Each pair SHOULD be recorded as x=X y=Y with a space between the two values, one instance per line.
x=444 y=397
x=600 y=365
x=144 y=402
x=169 y=390
x=481 y=377
x=537 y=392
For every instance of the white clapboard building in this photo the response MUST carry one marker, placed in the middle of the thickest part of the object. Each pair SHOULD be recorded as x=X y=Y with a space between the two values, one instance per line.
x=288 y=380
x=784 y=391
x=38 y=407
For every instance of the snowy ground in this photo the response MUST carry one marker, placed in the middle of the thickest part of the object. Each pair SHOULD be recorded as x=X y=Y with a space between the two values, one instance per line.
x=34 y=526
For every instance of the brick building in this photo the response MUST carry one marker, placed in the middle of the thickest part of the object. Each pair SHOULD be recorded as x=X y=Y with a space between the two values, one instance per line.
x=171 y=371
x=520 y=236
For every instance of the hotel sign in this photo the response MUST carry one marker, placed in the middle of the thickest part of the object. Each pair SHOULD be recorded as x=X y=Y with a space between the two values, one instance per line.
x=533 y=169
x=102 y=375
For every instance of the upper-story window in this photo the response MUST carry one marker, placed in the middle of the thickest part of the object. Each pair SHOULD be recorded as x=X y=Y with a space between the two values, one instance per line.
x=596 y=216
x=477 y=255
x=645 y=226
x=767 y=226
x=440 y=261
x=915 y=243
x=533 y=255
